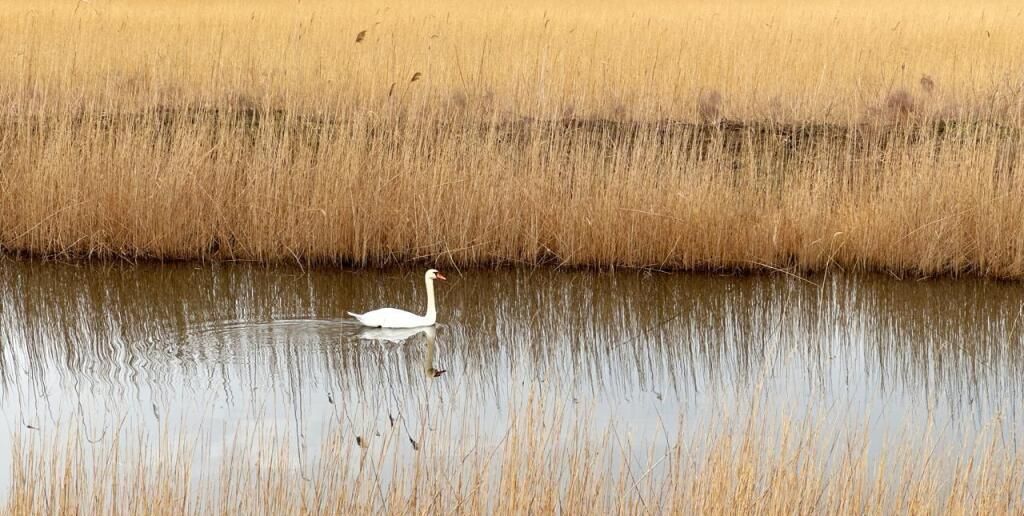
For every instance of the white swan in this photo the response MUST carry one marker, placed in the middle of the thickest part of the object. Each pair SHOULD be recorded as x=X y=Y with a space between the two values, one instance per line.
x=395 y=318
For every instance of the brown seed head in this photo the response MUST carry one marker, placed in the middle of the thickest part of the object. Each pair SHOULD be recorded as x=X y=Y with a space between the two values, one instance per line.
x=709 y=106
x=459 y=100
x=927 y=84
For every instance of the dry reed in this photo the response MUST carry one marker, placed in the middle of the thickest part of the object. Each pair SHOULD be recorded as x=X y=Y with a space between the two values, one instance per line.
x=732 y=136
x=544 y=464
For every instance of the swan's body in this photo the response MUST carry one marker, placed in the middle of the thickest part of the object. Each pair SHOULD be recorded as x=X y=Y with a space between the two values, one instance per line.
x=395 y=318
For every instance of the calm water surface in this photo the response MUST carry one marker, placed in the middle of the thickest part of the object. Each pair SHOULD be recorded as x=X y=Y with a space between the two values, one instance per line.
x=207 y=353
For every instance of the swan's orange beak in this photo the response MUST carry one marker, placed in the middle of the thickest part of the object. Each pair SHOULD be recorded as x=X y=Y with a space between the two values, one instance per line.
x=440 y=276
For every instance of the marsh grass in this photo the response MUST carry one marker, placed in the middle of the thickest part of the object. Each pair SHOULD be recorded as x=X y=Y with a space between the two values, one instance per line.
x=545 y=463
x=706 y=137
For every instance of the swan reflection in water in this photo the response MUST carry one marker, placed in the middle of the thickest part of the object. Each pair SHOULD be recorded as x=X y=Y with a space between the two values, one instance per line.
x=401 y=335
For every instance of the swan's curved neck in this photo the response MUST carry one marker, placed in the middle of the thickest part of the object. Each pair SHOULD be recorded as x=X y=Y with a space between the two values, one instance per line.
x=431 y=308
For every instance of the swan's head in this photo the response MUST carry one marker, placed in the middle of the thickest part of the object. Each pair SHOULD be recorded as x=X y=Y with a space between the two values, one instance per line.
x=433 y=274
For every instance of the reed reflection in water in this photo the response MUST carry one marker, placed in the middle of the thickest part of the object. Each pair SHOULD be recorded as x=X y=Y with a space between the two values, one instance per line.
x=210 y=351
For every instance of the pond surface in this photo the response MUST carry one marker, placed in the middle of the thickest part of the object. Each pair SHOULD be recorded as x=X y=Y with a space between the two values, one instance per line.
x=208 y=352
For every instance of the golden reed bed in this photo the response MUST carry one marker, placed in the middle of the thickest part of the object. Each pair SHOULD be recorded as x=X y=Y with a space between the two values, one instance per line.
x=806 y=135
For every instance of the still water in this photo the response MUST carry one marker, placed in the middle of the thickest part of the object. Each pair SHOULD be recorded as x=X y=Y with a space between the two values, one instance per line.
x=208 y=352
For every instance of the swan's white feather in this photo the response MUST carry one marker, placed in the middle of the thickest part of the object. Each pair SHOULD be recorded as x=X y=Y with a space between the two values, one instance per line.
x=391 y=318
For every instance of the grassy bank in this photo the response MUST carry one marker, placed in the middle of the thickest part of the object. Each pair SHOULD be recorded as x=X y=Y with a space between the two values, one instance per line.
x=545 y=463
x=802 y=135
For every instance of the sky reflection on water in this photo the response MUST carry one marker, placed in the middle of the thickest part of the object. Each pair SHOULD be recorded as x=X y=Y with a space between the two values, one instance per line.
x=210 y=352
